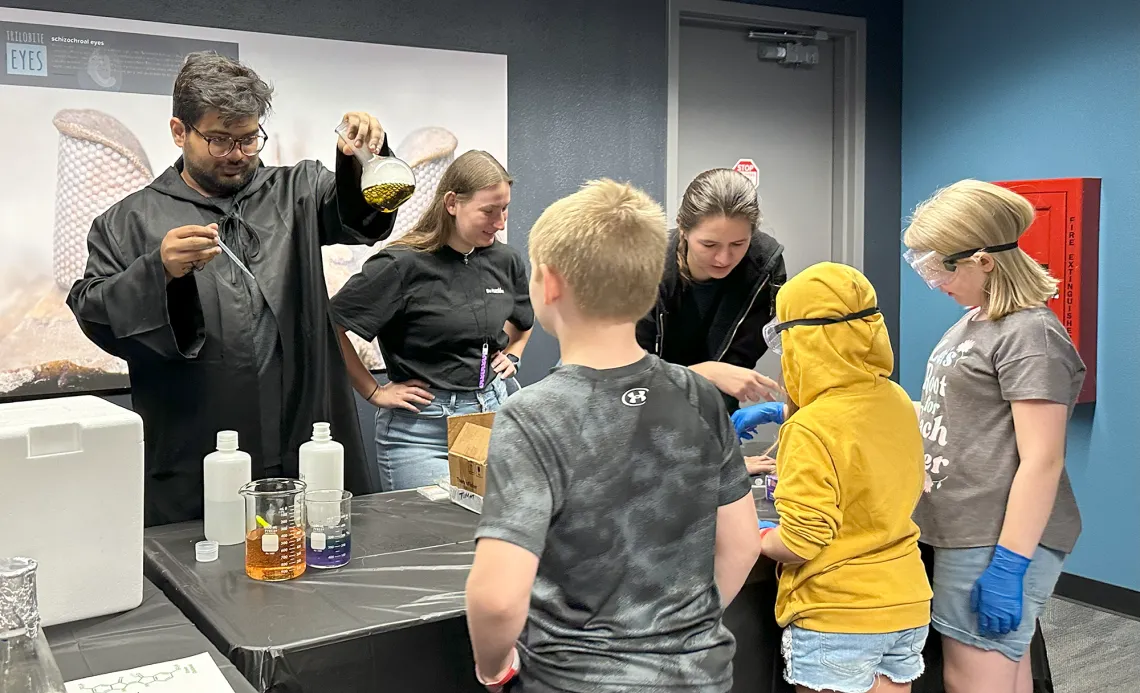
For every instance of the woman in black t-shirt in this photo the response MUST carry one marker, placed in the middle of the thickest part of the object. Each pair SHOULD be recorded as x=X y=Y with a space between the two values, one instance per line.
x=718 y=291
x=450 y=308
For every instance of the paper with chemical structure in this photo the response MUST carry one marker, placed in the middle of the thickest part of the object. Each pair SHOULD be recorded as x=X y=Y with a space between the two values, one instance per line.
x=197 y=674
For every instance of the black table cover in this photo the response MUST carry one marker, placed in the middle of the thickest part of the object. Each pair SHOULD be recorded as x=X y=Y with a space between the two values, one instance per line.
x=154 y=632
x=393 y=618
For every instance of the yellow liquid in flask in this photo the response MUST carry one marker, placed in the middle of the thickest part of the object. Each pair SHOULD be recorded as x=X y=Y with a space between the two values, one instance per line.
x=388 y=196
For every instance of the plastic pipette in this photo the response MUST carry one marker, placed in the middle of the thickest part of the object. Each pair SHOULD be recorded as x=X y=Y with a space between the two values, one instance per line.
x=239 y=263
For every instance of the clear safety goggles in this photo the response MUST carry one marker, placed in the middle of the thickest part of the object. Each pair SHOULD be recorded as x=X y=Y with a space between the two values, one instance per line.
x=936 y=270
x=773 y=330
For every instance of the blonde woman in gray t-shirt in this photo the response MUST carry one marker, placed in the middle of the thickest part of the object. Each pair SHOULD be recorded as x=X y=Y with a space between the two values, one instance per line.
x=996 y=399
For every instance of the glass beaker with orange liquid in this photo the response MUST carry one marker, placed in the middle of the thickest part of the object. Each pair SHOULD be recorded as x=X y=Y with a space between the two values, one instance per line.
x=274 y=529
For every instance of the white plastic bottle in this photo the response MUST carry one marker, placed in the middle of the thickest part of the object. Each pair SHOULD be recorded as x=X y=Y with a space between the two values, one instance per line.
x=223 y=473
x=321 y=461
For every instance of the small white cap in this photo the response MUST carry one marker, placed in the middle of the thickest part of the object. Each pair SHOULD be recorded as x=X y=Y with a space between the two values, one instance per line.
x=206 y=551
x=227 y=440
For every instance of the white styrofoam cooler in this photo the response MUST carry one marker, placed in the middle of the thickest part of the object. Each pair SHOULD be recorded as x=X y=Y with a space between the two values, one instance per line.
x=71 y=497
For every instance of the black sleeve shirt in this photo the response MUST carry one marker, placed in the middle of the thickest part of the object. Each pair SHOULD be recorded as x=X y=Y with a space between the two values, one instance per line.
x=434 y=312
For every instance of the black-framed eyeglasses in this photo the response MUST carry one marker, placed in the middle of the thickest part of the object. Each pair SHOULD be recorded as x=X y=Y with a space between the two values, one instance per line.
x=950 y=262
x=222 y=146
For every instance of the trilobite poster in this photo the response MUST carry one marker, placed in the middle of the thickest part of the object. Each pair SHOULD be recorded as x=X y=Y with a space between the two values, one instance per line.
x=85 y=103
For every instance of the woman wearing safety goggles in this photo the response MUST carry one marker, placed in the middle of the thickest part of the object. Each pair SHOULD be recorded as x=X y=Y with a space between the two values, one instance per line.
x=996 y=398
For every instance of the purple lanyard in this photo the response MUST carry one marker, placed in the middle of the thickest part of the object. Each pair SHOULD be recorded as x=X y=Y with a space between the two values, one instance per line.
x=483 y=368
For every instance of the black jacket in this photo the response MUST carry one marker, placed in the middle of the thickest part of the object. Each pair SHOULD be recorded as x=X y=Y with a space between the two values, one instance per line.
x=747 y=303
x=189 y=377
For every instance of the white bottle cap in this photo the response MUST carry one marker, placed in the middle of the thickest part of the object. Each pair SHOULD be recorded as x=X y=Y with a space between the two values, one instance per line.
x=227 y=441
x=322 y=431
x=206 y=551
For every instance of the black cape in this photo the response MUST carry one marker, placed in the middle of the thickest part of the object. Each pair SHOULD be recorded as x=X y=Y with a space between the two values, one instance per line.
x=188 y=381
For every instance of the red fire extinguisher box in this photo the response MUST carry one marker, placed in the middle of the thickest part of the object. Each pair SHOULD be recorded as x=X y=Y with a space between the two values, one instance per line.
x=1063 y=238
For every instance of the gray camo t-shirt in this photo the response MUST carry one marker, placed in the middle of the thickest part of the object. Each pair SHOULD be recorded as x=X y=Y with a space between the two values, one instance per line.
x=613 y=479
x=978 y=368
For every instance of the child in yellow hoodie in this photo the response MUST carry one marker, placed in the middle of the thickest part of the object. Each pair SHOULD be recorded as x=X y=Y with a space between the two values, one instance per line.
x=853 y=599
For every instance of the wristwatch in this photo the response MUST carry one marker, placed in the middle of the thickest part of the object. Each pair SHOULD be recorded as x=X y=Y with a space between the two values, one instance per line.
x=514 y=359
x=511 y=672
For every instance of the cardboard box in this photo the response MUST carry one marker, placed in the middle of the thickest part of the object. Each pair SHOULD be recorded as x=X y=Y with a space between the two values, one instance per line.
x=468 y=437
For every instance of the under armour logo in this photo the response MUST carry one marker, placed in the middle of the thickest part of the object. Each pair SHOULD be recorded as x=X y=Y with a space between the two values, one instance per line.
x=635 y=397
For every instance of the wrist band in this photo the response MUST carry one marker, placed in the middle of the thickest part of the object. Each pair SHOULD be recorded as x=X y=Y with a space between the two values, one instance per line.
x=374 y=391
x=511 y=672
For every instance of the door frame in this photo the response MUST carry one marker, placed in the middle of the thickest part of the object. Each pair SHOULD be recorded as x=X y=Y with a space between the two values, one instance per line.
x=849 y=36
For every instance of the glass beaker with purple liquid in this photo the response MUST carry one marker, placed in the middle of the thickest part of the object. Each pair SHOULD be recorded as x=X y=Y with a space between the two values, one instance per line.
x=328 y=529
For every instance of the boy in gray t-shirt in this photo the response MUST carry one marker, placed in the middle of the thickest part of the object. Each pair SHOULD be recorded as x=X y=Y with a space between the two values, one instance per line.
x=618 y=519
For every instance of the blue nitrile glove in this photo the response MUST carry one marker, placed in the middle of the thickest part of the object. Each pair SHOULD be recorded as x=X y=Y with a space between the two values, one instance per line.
x=747 y=419
x=998 y=593
x=765 y=524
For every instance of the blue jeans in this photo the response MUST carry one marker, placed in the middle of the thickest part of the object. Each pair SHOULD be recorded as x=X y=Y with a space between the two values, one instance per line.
x=411 y=448
x=956 y=571
x=850 y=662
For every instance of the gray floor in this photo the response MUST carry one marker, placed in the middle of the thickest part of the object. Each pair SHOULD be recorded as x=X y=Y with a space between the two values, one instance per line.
x=1091 y=651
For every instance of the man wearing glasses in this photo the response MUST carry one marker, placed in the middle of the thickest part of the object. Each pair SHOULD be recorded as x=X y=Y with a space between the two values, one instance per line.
x=211 y=346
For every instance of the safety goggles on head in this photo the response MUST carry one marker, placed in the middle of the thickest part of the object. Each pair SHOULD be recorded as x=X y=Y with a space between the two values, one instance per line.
x=773 y=329
x=937 y=269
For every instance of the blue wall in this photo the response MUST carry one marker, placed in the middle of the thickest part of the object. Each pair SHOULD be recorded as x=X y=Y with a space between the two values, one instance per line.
x=1017 y=89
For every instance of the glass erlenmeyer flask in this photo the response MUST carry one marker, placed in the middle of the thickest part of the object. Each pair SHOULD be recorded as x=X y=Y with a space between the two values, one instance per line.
x=26 y=661
x=386 y=181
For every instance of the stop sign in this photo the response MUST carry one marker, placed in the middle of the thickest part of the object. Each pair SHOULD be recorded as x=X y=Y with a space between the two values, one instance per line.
x=748 y=168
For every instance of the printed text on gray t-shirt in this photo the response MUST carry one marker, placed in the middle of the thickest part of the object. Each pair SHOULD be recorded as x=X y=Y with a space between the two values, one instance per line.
x=978 y=368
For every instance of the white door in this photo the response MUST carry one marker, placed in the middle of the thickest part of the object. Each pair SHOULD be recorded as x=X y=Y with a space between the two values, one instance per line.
x=732 y=106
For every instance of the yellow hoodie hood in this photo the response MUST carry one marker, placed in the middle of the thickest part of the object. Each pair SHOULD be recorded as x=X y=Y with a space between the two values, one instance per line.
x=819 y=359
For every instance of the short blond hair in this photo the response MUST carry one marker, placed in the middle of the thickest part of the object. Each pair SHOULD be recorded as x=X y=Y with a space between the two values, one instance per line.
x=608 y=240
x=975 y=214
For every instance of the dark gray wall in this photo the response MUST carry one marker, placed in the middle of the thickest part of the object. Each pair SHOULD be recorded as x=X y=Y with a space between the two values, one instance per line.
x=586 y=92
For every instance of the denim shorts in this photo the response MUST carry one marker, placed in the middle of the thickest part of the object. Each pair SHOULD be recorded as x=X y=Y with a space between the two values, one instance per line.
x=956 y=571
x=850 y=662
x=411 y=447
